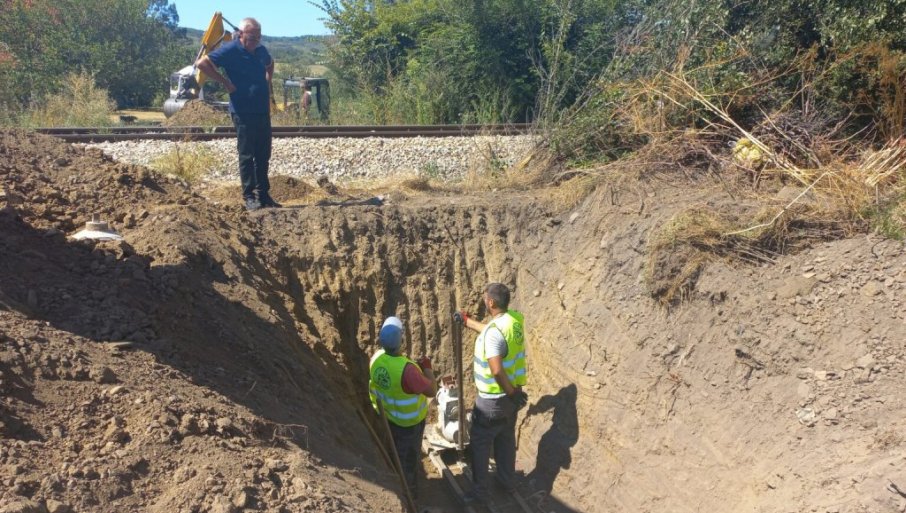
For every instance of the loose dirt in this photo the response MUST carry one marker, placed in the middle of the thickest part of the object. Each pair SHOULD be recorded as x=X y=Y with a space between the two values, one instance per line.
x=215 y=360
x=197 y=113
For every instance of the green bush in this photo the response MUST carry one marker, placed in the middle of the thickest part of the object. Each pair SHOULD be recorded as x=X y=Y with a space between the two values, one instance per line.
x=131 y=47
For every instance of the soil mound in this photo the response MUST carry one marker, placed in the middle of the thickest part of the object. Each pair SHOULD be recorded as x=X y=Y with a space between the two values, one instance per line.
x=120 y=362
x=198 y=113
x=286 y=189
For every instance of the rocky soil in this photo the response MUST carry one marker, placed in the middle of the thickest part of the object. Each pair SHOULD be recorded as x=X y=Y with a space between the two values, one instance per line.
x=215 y=360
x=135 y=377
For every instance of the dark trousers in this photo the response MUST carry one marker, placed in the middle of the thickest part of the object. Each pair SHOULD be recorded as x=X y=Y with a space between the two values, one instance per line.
x=408 y=442
x=493 y=426
x=253 y=136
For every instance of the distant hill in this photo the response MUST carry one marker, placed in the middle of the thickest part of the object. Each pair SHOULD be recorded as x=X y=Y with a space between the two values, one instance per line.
x=293 y=54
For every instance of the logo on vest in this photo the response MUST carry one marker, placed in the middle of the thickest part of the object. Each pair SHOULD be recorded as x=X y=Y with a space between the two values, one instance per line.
x=517 y=331
x=382 y=378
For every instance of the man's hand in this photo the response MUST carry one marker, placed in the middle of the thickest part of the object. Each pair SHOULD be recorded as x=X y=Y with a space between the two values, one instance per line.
x=461 y=317
x=519 y=398
x=424 y=362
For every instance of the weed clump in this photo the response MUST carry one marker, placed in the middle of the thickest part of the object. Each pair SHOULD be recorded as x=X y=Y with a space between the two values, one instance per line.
x=834 y=201
x=189 y=164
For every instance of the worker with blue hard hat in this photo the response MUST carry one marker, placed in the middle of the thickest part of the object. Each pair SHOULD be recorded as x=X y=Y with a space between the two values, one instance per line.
x=403 y=388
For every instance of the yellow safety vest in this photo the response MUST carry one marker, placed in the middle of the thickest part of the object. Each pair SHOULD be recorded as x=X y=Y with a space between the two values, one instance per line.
x=510 y=325
x=386 y=384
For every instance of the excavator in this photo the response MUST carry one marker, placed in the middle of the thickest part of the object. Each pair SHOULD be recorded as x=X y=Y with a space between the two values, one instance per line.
x=307 y=97
x=187 y=83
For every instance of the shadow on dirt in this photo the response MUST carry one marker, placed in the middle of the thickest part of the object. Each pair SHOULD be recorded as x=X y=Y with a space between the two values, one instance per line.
x=16 y=382
x=554 y=448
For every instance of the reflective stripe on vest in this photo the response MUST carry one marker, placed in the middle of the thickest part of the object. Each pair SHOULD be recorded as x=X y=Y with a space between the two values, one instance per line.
x=386 y=384
x=510 y=326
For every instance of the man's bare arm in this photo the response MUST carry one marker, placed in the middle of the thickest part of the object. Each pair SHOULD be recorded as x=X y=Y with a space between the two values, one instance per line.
x=208 y=68
x=475 y=325
x=429 y=373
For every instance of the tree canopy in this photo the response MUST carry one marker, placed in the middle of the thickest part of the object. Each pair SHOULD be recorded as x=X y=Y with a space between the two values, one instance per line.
x=129 y=46
x=446 y=60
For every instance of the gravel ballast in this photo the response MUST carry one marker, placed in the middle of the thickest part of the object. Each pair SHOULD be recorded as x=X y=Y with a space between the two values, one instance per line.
x=349 y=159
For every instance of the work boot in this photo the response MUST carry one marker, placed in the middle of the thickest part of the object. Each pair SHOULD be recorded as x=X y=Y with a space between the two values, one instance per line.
x=476 y=496
x=268 y=202
x=506 y=486
x=251 y=204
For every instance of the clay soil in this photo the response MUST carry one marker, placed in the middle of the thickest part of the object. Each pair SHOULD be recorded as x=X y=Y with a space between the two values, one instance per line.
x=215 y=360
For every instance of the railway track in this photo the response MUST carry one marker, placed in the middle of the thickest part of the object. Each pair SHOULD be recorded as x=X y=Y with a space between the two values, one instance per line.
x=197 y=133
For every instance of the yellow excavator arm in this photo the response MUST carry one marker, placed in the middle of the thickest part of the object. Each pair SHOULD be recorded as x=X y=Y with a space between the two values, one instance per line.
x=212 y=38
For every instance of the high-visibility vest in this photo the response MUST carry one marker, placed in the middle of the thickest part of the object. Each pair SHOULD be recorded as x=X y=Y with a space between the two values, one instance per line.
x=510 y=325
x=386 y=385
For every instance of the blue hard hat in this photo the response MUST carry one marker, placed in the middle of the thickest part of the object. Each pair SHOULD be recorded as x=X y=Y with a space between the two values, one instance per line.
x=391 y=334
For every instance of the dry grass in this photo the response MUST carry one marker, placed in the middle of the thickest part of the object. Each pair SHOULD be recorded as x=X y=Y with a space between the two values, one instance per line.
x=79 y=103
x=402 y=182
x=536 y=167
x=292 y=117
x=840 y=190
x=188 y=164
x=685 y=121
x=835 y=186
x=569 y=193
x=840 y=200
x=416 y=183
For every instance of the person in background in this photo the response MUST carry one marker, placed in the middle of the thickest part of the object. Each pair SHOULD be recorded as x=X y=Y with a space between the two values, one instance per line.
x=403 y=388
x=249 y=69
x=306 y=100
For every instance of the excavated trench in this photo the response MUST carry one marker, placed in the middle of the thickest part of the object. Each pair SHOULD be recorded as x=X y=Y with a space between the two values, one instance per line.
x=345 y=270
x=250 y=336
x=633 y=407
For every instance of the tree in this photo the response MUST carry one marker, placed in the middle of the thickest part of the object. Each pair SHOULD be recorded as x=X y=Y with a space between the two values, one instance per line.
x=126 y=44
x=165 y=12
x=452 y=61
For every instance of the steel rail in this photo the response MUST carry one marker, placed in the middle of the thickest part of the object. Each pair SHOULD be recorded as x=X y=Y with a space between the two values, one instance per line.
x=197 y=133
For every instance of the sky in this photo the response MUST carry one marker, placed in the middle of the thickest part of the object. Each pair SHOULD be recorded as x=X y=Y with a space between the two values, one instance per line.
x=279 y=18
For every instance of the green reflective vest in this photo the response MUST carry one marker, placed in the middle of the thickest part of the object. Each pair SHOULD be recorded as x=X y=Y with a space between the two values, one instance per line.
x=510 y=325
x=386 y=384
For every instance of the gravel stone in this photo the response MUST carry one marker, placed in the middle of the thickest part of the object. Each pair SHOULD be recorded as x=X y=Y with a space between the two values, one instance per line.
x=349 y=159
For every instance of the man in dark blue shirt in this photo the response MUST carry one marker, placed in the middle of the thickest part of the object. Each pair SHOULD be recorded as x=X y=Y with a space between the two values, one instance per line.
x=249 y=68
